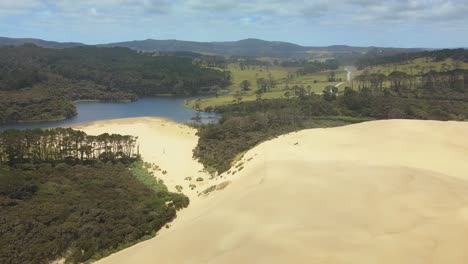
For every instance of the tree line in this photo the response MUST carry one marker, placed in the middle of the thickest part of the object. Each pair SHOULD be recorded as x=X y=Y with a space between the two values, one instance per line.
x=451 y=85
x=65 y=145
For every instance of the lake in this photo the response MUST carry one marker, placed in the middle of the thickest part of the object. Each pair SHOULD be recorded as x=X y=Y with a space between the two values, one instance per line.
x=166 y=107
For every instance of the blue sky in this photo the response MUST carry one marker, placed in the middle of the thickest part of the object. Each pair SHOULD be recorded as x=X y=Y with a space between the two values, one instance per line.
x=397 y=23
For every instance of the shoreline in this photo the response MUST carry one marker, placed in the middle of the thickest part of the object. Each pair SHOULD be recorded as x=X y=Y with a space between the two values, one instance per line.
x=104 y=101
x=123 y=121
x=34 y=122
x=168 y=107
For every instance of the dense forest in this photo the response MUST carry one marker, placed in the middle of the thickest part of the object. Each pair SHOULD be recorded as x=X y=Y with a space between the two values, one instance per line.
x=67 y=195
x=91 y=73
x=247 y=124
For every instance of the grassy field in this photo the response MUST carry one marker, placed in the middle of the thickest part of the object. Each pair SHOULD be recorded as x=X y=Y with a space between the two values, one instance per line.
x=316 y=81
x=252 y=74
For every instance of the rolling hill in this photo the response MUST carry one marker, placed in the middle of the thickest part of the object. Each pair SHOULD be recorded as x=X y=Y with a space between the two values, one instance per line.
x=38 y=42
x=253 y=47
x=245 y=47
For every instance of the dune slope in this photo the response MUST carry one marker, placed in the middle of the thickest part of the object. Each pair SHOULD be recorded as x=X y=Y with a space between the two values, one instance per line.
x=378 y=192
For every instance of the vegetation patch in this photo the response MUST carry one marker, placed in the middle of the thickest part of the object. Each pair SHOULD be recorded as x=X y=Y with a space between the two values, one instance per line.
x=140 y=171
x=207 y=190
x=213 y=188
x=222 y=185
x=179 y=188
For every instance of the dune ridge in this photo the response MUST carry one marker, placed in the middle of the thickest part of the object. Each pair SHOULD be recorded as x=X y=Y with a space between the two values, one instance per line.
x=391 y=191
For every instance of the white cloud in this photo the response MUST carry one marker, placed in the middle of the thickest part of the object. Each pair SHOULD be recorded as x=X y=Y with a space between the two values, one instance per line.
x=18 y=7
x=97 y=20
x=266 y=7
x=114 y=6
x=425 y=11
x=359 y=11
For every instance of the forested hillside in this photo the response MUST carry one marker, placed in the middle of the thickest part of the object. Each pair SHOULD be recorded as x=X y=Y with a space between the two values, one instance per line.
x=28 y=72
x=65 y=195
x=257 y=48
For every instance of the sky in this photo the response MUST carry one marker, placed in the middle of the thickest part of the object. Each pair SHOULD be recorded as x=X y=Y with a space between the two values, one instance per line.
x=391 y=23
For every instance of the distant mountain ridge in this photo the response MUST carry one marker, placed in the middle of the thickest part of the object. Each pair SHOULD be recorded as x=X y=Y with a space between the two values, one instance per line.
x=245 y=47
x=249 y=47
x=39 y=42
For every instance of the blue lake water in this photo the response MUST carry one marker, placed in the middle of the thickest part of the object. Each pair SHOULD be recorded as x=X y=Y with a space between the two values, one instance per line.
x=166 y=107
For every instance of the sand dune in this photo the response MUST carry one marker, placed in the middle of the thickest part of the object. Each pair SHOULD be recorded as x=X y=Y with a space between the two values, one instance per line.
x=164 y=143
x=378 y=192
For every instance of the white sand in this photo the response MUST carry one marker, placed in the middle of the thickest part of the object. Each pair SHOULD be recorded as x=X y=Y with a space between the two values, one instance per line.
x=378 y=192
x=164 y=143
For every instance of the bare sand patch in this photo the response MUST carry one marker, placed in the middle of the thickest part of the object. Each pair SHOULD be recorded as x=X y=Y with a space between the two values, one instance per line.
x=165 y=143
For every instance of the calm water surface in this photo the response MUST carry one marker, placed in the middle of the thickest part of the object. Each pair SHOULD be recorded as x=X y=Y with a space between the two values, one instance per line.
x=166 y=107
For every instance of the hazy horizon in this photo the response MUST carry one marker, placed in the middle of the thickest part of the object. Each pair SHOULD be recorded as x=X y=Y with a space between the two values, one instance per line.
x=211 y=41
x=397 y=23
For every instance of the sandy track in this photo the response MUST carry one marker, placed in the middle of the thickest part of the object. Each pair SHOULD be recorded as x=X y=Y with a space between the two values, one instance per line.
x=378 y=192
